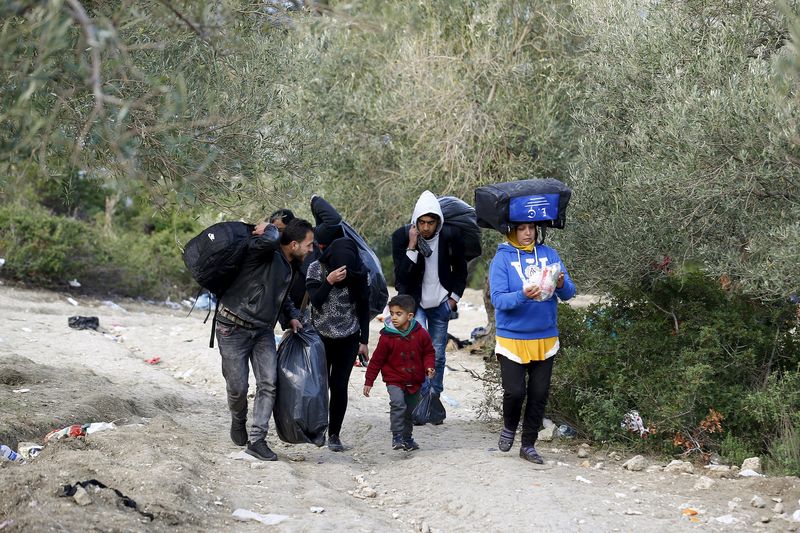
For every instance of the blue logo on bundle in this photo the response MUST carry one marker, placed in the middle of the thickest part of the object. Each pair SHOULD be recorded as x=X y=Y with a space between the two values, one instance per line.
x=533 y=208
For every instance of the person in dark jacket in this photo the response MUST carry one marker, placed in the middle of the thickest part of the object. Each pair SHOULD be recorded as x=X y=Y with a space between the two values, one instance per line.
x=249 y=310
x=404 y=357
x=429 y=266
x=339 y=296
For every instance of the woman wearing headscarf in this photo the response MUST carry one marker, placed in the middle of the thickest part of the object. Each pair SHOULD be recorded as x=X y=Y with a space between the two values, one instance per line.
x=526 y=278
x=339 y=296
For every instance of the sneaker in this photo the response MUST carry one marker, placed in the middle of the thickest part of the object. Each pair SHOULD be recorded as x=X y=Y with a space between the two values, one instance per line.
x=238 y=432
x=529 y=453
x=397 y=442
x=334 y=444
x=260 y=450
x=409 y=444
x=506 y=440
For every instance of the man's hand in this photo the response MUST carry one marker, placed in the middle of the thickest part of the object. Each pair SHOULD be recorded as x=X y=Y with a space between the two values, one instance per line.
x=453 y=304
x=337 y=275
x=367 y=388
x=295 y=325
x=430 y=372
x=259 y=230
x=363 y=349
x=560 y=282
x=412 y=237
x=531 y=291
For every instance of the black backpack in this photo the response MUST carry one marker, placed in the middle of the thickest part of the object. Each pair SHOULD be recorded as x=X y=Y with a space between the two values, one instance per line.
x=458 y=213
x=214 y=257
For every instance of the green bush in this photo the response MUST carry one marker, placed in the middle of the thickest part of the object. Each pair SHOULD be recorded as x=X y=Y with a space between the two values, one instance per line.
x=48 y=250
x=681 y=351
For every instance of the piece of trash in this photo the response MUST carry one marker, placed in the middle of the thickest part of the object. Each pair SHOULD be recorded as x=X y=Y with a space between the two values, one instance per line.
x=29 y=450
x=83 y=322
x=689 y=512
x=452 y=402
x=94 y=427
x=546 y=423
x=27 y=330
x=630 y=512
x=10 y=455
x=566 y=431
x=583 y=480
x=480 y=331
x=317 y=510
x=20 y=391
x=241 y=456
x=2 y=262
x=73 y=301
x=74 y=283
x=112 y=305
x=244 y=515
x=70 y=490
x=172 y=305
x=726 y=519
x=73 y=431
x=6 y=523
x=184 y=375
x=750 y=473
x=153 y=360
x=632 y=421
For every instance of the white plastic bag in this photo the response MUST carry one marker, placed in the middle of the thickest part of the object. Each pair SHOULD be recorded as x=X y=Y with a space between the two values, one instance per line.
x=545 y=278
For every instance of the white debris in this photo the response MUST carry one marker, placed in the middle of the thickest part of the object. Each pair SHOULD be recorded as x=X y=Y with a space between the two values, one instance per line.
x=318 y=510
x=73 y=301
x=583 y=480
x=750 y=473
x=244 y=515
x=726 y=519
x=74 y=283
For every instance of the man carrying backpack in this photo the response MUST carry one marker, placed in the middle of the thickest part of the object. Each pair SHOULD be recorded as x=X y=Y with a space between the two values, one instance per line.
x=249 y=310
x=430 y=266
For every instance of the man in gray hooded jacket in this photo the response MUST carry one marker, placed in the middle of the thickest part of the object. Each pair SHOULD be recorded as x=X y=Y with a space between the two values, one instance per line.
x=429 y=265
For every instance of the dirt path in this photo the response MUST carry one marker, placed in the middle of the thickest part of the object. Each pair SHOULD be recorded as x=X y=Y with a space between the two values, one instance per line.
x=171 y=453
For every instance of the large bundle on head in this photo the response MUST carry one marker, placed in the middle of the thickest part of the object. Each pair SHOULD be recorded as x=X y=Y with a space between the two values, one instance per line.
x=541 y=201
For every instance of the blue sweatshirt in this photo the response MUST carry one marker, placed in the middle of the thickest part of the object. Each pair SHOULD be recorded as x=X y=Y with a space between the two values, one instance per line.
x=517 y=316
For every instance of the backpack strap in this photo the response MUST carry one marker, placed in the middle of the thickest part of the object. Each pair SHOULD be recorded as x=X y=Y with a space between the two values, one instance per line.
x=213 y=323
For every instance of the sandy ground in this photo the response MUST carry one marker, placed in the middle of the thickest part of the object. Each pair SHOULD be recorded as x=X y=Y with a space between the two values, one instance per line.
x=172 y=455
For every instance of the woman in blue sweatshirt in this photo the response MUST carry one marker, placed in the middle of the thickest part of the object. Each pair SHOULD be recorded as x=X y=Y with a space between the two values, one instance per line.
x=527 y=331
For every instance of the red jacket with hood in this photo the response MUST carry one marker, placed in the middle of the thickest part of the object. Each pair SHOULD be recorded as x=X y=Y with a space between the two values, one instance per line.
x=402 y=359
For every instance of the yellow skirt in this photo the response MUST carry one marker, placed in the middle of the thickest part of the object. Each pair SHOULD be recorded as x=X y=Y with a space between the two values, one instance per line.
x=524 y=351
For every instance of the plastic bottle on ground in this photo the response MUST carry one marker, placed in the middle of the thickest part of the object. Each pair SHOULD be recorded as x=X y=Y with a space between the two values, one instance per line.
x=9 y=454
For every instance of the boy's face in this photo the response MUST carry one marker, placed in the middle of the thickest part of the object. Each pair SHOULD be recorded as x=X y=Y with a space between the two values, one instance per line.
x=400 y=317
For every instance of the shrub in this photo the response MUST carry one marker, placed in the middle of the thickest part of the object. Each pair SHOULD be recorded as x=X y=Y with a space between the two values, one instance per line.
x=708 y=370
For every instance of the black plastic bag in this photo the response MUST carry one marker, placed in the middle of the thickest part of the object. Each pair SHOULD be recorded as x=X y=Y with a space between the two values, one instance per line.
x=83 y=322
x=429 y=410
x=301 y=399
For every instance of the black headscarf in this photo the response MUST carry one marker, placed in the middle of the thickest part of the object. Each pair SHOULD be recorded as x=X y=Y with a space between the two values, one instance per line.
x=344 y=252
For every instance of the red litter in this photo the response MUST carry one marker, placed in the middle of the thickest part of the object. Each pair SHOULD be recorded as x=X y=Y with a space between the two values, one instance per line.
x=153 y=361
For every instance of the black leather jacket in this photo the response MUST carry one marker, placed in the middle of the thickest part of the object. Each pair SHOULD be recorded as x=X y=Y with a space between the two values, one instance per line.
x=259 y=293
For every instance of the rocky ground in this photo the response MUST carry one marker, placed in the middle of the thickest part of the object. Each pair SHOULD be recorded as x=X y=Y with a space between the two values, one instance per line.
x=170 y=452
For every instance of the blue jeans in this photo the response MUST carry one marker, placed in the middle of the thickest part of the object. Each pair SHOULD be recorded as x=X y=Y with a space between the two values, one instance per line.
x=435 y=320
x=239 y=348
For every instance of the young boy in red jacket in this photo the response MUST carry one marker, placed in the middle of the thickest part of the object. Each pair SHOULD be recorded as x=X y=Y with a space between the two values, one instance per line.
x=404 y=356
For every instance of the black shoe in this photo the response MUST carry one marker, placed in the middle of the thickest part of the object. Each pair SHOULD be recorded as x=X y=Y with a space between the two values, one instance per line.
x=529 y=453
x=239 y=432
x=335 y=444
x=409 y=444
x=260 y=450
x=506 y=441
x=397 y=442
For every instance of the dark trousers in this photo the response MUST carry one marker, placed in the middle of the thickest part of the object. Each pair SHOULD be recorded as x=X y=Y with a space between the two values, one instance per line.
x=516 y=392
x=340 y=354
